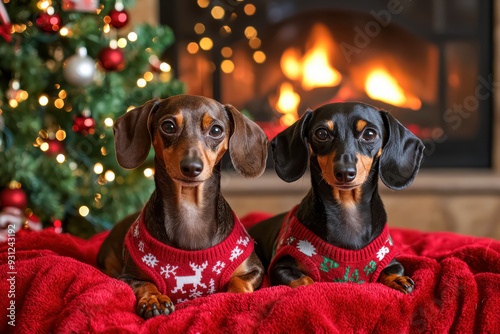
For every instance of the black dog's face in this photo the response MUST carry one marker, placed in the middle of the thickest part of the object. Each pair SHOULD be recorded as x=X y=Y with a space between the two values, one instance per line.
x=346 y=139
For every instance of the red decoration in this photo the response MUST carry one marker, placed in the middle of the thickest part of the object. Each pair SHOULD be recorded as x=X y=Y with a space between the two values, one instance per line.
x=13 y=198
x=119 y=18
x=48 y=23
x=5 y=26
x=83 y=125
x=112 y=59
x=55 y=147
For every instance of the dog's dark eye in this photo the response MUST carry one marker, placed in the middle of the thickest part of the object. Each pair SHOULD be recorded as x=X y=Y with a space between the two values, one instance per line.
x=168 y=127
x=369 y=134
x=321 y=134
x=216 y=131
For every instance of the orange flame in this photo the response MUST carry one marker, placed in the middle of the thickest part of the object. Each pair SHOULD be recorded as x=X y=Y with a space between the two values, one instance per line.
x=380 y=85
x=313 y=68
x=287 y=104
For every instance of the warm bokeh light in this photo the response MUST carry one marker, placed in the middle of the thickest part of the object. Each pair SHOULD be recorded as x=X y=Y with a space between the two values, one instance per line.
x=98 y=168
x=148 y=76
x=199 y=28
x=43 y=100
x=254 y=43
x=109 y=176
x=141 y=83
x=60 y=158
x=62 y=94
x=250 y=32
x=217 y=12
x=226 y=52
x=122 y=42
x=44 y=147
x=148 y=172
x=259 y=57
x=206 y=43
x=288 y=100
x=83 y=211
x=59 y=103
x=64 y=31
x=13 y=103
x=192 y=48
x=249 y=9
x=203 y=3
x=165 y=67
x=132 y=36
x=61 y=135
x=108 y=122
x=227 y=66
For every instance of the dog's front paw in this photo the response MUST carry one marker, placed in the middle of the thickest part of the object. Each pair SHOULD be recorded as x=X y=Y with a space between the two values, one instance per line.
x=403 y=284
x=154 y=305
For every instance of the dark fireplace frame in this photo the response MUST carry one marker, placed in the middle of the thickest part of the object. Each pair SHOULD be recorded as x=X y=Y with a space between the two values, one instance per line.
x=442 y=153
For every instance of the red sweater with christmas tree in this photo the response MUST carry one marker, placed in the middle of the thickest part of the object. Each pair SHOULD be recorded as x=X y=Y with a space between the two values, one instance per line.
x=326 y=263
x=185 y=275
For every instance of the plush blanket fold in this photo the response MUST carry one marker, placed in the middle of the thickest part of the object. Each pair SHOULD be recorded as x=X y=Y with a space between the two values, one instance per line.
x=57 y=289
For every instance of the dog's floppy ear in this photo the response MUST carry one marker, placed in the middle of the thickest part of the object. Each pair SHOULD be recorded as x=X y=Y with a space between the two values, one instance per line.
x=291 y=151
x=132 y=135
x=401 y=154
x=247 y=144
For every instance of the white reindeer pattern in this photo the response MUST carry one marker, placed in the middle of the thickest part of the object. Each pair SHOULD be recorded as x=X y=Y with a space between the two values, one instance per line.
x=195 y=279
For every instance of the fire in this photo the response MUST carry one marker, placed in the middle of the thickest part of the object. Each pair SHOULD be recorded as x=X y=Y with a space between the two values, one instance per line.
x=380 y=85
x=313 y=69
x=287 y=104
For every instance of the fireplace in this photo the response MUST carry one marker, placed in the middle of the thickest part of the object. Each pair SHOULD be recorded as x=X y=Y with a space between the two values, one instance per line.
x=428 y=62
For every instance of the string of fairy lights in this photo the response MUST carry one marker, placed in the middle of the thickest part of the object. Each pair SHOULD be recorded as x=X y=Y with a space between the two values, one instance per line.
x=218 y=13
x=50 y=140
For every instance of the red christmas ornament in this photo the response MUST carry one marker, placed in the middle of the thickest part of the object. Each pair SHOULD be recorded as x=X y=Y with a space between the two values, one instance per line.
x=83 y=125
x=13 y=198
x=112 y=59
x=5 y=26
x=119 y=18
x=55 y=147
x=48 y=23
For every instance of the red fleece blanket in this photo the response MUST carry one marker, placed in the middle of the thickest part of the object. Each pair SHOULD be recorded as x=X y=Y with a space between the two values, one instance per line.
x=58 y=290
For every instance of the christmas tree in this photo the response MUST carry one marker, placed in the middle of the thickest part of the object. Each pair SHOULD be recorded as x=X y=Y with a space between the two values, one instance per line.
x=68 y=70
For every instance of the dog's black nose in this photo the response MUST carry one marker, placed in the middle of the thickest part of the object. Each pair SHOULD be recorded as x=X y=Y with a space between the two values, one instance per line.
x=191 y=166
x=345 y=169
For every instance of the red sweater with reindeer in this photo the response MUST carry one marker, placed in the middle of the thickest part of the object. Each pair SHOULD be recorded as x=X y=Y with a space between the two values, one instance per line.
x=326 y=263
x=185 y=275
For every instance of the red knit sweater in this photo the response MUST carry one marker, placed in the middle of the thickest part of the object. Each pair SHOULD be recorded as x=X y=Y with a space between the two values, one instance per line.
x=185 y=275
x=326 y=263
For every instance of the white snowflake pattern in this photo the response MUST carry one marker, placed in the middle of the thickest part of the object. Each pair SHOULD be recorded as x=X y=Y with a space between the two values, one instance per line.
x=136 y=231
x=150 y=260
x=211 y=289
x=141 y=246
x=182 y=300
x=235 y=253
x=382 y=252
x=195 y=293
x=290 y=240
x=242 y=241
x=306 y=247
x=167 y=271
x=218 y=267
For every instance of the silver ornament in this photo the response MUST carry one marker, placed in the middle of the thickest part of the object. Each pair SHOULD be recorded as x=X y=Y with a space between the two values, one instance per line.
x=79 y=69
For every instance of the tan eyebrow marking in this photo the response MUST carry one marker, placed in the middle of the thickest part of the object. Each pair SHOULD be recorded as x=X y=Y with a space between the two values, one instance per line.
x=207 y=120
x=361 y=125
x=329 y=124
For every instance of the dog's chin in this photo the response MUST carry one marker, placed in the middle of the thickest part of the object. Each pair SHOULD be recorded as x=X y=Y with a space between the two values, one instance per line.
x=188 y=182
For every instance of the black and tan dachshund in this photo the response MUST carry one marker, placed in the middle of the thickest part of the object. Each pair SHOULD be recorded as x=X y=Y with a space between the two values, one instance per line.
x=339 y=231
x=186 y=214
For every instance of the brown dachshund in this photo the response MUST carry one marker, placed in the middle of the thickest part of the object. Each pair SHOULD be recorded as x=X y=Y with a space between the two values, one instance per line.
x=339 y=233
x=187 y=242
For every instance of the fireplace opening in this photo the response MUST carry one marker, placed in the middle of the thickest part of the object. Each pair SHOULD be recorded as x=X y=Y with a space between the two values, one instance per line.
x=429 y=64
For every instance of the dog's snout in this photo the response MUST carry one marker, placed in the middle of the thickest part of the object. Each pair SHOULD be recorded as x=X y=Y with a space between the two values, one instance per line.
x=345 y=169
x=191 y=166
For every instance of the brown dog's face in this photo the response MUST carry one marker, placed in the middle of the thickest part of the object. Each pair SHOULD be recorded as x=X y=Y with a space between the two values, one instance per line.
x=346 y=142
x=190 y=135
